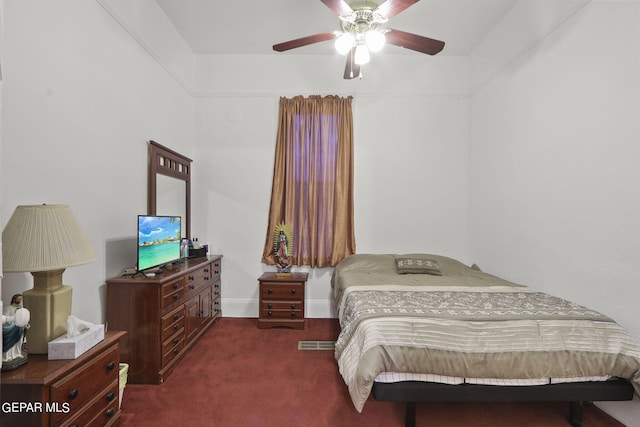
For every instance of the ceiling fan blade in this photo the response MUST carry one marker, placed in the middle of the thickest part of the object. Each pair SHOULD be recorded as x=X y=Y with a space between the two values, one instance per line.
x=303 y=41
x=351 y=69
x=391 y=8
x=340 y=7
x=414 y=42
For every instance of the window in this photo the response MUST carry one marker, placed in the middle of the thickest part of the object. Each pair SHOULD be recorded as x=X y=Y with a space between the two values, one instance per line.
x=312 y=189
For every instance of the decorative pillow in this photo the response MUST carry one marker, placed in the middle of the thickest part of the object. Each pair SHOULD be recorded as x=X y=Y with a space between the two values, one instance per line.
x=416 y=265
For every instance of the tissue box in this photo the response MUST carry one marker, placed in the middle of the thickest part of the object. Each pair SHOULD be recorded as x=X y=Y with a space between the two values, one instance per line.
x=197 y=252
x=71 y=348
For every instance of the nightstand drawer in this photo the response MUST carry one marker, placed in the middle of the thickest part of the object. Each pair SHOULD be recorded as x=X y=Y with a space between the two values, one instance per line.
x=76 y=389
x=283 y=305
x=280 y=291
x=100 y=411
x=282 y=314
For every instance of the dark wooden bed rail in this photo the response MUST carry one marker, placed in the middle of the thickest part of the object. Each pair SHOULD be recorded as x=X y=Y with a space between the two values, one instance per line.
x=411 y=392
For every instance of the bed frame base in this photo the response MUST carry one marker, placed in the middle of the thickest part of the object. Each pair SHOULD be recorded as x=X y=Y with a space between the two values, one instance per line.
x=412 y=392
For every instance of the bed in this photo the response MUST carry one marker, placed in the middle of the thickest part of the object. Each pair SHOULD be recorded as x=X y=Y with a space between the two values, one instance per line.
x=421 y=327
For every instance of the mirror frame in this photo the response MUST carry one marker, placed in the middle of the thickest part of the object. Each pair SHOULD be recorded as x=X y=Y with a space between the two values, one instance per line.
x=164 y=161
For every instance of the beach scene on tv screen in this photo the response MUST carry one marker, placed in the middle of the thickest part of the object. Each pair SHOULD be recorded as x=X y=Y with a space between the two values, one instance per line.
x=158 y=240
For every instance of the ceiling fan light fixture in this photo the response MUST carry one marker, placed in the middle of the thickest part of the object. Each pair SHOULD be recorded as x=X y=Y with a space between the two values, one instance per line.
x=362 y=55
x=375 y=40
x=344 y=42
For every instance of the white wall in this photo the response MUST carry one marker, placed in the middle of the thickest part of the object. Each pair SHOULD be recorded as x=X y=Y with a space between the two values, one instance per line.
x=81 y=98
x=554 y=173
x=109 y=85
x=410 y=159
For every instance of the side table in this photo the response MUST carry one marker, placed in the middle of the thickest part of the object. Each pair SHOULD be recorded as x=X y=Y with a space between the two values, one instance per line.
x=282 y=300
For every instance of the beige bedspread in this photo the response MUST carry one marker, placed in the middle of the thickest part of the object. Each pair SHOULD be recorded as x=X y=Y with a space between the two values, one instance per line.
x=468 y=324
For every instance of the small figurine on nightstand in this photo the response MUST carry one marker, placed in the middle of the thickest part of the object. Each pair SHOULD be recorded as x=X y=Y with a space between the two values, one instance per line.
x=15 y=323
x=282 y=248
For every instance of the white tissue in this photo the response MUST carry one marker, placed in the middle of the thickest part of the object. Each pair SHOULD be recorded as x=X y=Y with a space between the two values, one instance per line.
x=77 y=326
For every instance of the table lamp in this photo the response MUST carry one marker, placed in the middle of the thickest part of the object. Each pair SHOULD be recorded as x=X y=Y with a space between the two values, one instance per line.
x=45 y=240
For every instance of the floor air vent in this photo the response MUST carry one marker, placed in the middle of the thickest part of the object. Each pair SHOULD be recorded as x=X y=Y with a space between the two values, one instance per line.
x=316 y=345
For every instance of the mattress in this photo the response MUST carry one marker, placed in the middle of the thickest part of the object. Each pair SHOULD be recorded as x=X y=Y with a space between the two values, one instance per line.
x=463 y=326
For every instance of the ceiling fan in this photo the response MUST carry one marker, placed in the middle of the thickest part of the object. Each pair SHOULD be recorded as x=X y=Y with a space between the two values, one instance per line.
x=361 y=22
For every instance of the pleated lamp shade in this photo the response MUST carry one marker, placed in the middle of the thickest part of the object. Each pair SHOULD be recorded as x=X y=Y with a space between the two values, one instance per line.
x=42 y=238
x=45 y=240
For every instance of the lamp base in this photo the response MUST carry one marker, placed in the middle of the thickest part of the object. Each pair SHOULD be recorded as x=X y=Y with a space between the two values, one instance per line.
x=50 y=305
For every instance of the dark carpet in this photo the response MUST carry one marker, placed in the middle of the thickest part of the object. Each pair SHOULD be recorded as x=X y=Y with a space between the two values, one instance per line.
x=239 y=375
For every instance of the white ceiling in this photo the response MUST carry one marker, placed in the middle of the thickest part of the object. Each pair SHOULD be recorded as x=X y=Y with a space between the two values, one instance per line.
x=253 y=26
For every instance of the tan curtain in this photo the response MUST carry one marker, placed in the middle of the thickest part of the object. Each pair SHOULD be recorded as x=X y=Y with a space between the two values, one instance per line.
x=312 y=187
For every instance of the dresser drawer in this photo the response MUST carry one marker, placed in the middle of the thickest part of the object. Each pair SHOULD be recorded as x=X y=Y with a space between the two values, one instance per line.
x=217 y=308
x=216 y=268
x=100 y=411
x=281 y=291
x=172 y=322
x=200 y=277
x=172 y=292
x=172 y=347
x=76 y=389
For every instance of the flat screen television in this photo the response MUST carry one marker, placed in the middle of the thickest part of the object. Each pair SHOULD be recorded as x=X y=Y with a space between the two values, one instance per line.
x=158 y=240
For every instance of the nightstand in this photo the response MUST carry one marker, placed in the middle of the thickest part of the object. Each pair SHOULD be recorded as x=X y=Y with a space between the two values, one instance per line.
x=282 y=300
x=82 y=391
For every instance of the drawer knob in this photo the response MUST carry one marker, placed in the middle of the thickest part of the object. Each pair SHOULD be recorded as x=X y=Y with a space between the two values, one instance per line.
x=176 y=327
x=270 y=291
x=176 y=351
x=269 y=305
x=176 y=316
x=111 y=365
x=269 y=313
x=110 y=412
x=293 y=314
x=293 y=291
x=176 y=340
x=206 y=277
x=111 y=396
x=191 y=277
x=175 y=286
x=176 y=296
x=293 y=306
x=73 y=393
x=192 y=286
x=206 y=269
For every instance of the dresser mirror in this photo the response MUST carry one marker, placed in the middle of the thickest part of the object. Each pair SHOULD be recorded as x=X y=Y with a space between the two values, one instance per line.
x=169 y=185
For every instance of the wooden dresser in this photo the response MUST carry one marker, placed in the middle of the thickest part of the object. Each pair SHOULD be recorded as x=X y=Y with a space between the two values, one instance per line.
x=164 y=315
x=75 y=392
x=282 y=300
